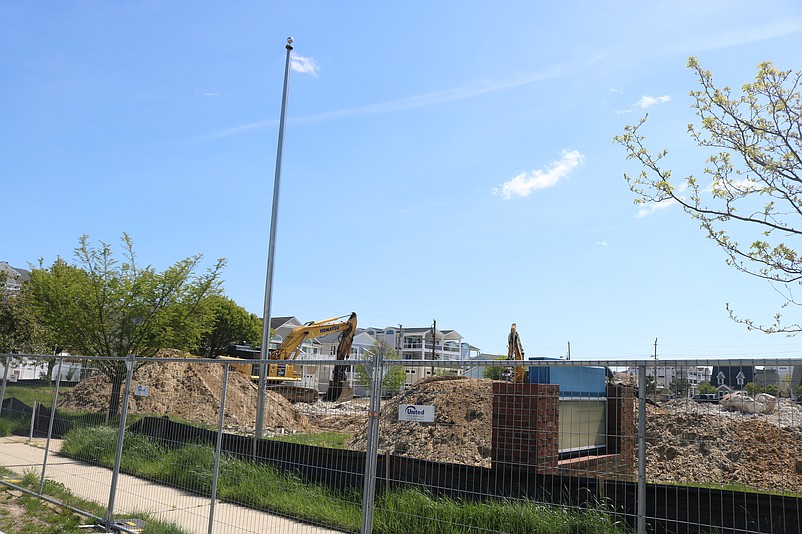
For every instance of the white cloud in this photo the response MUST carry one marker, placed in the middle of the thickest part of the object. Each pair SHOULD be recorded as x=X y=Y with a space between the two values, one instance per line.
x=649 y=101
x=304 y=65
x=720 y=186
x=523 y=184
x=601 y=243
x=652 y=207
x=645 y=102
x=728 y=37
x=472 y=90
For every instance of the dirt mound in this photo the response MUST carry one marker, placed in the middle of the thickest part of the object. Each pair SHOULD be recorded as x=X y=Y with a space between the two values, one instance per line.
x=461 y=432
x=191 y=391
x=689 y=442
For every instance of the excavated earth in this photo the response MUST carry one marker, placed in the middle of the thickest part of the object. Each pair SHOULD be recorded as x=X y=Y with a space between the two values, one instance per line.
x=460 y=434
x=687 y=442
x=192 y=392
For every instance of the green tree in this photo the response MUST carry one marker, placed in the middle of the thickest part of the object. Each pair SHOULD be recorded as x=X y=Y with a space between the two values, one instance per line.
x=749 y=202
x=102 y=307
x=706 y=388
x=19 y=330
x=394 y=377
x=495 y=372
x=229 y=323
x=680 y=387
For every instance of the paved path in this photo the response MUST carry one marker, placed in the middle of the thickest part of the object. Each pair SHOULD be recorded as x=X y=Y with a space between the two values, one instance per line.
x=186 y=510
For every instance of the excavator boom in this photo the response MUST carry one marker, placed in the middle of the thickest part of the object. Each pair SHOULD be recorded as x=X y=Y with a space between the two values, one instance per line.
x=515 y=351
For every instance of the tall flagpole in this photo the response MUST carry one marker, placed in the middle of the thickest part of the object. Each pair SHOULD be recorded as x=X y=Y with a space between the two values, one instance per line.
x=260 y=408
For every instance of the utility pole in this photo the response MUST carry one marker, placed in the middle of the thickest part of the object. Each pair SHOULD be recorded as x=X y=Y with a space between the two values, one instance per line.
x=569 y=350
x=434 y=333
x=655 y=367
x=260 y=404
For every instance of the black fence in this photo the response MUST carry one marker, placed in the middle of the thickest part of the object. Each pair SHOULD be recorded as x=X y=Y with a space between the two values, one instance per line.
x=670 y=509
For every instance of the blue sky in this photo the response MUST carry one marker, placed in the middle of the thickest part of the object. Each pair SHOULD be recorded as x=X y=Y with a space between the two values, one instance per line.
x=449 y=161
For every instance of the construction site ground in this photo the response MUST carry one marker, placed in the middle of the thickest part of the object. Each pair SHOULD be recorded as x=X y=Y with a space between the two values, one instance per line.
x=687 y=442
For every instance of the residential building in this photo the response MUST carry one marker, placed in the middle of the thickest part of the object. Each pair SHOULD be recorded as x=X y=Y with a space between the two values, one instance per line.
x=12 y=278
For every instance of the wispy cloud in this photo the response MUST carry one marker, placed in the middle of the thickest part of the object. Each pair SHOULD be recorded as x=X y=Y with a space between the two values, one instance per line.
x=652 y=207
x=304 y=65
x=649 y=101
x=523 y=184
x=646 y=102
x=465 y=92
x=740 y=36
x=601 y=243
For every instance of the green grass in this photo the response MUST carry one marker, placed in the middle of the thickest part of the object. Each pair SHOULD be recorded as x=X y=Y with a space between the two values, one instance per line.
x=331 y=440
x=41 y=394
x=264 y=487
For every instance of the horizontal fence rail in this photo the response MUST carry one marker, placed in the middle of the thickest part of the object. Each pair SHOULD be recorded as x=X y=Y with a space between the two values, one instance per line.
x=618 y=446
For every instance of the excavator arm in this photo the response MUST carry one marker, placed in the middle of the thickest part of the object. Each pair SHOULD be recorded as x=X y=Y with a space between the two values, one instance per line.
x=291 y=345
x=515 y=351
x=338 y=389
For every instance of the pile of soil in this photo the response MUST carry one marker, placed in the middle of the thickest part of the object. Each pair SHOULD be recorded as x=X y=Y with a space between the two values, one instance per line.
x=688 y=442
x=460 y=434
x=191 y=391
x=691 y=442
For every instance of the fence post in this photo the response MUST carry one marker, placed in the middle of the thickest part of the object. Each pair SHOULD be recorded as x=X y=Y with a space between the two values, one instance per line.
x=129 y=371
x=218 y=446
x=369 y=487
x=33 y=420
x=5 y=381
x=642 y=449
x=50 y=424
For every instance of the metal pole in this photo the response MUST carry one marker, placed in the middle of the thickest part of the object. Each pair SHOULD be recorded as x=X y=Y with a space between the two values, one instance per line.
x=50 y=424
x=33 y=420
x=369 y=485
x=655 y=368
x=260 y=407
x=129 y=365
x=642 y=449
x=5 y=381
x=218 y=446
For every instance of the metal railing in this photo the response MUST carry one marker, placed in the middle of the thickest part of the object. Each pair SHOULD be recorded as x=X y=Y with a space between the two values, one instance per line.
x=591 y=443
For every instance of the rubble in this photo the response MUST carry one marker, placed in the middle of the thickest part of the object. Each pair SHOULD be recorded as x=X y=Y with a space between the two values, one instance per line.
x=689 y=442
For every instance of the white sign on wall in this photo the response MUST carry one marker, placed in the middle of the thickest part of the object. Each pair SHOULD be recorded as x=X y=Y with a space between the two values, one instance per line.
x=416 y=412
x=141 y=391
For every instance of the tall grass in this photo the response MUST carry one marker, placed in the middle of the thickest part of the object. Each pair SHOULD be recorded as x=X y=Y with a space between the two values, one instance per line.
x=261 y=486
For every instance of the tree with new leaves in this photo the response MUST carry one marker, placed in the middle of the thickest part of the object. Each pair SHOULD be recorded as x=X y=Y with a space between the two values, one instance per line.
x=395 y=375
x=19 y=330
x=100 y=306
x=748 y=199
x=229 y=324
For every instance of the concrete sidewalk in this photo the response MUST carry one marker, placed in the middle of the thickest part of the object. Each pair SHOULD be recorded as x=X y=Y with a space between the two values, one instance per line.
x=188 y=511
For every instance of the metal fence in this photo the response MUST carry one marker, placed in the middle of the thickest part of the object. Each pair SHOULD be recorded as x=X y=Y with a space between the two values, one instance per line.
x=696 y=446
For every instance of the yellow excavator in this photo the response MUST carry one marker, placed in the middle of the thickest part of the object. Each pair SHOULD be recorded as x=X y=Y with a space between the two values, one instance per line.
x=515 y=351
x=278 y=374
